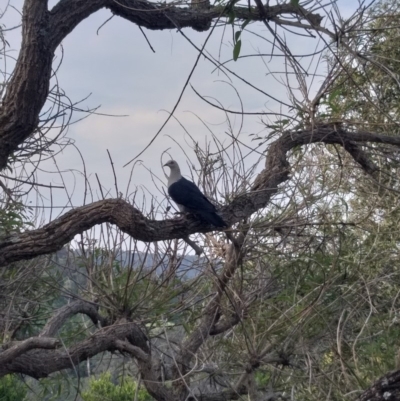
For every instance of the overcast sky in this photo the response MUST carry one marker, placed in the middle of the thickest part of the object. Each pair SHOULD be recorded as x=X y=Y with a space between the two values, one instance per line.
x=117 y=67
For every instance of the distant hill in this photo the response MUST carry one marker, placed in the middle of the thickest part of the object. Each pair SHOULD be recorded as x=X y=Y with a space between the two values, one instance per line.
x=186 y=267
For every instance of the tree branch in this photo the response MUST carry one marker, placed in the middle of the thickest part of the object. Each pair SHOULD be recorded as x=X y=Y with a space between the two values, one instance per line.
x=225 y=324
x=136 y=352
x=21 y=347
x=41 y=363
x=164 y=16
x=123 y=336
x=29 y=85
x=64 y=313
x=57 y=233
x=387 y=388
x=67 y=14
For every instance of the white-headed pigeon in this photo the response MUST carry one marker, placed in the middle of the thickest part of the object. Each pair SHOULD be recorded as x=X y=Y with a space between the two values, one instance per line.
x=189 y=198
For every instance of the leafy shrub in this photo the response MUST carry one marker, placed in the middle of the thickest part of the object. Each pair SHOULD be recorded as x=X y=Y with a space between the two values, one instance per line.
x=102 y=389
x=11 y=389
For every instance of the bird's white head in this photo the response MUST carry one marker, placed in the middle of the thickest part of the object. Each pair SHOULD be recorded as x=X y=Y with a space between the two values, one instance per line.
x=175 y=171
x=172 y=164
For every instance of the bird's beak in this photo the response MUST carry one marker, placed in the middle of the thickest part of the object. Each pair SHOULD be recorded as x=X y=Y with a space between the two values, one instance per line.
x=165 y=165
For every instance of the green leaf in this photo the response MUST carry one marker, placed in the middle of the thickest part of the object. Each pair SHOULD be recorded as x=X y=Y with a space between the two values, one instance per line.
x=294 y=2
x=236 y=49
x=237 y=35
x=334 y=94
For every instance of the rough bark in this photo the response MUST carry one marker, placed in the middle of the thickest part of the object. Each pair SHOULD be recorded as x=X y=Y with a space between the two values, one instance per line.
x=41 y=363
x=387 y=388
x=28 y=88
x=14 y=350
x=40 y=356
x=57 y=321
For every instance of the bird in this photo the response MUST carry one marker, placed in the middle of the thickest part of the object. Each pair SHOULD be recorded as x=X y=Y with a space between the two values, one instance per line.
x=189 y=198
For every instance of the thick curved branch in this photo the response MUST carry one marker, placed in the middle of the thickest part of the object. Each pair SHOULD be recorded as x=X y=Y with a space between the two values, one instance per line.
x=21 y=347
x=29 y=86
x=136 y=352
x=146 y=367
x=276 y=157
x=130 y=220
x=57 y=321
x=14 y=350
x=41 y=363
x=164 y=16
x=126 y=337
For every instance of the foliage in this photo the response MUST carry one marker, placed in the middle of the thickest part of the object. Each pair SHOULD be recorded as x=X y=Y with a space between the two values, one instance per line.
x=366 y=92
x=14 y=217
x=103 y=388
x=12 y=389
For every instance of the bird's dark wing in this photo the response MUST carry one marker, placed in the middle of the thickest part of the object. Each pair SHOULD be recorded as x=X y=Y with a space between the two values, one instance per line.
x=187 y=194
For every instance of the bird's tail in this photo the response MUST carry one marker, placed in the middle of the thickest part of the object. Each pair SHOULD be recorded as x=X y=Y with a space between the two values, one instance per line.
x=212 y=218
